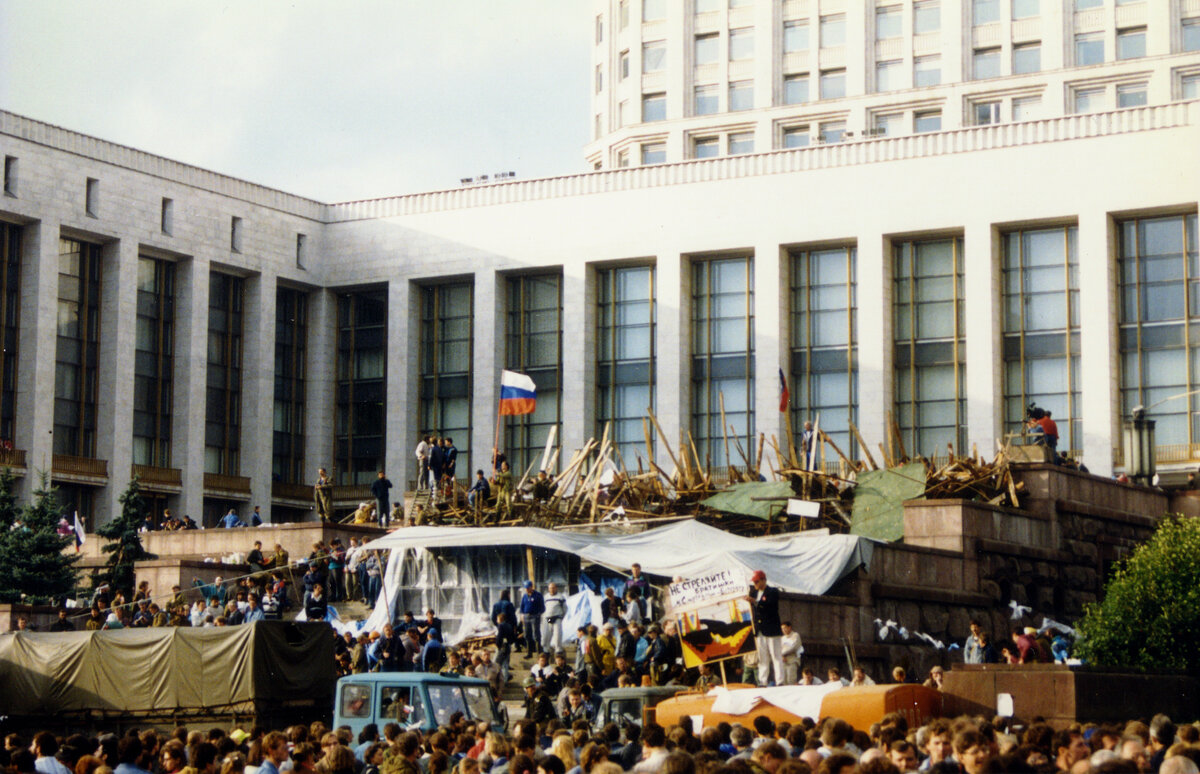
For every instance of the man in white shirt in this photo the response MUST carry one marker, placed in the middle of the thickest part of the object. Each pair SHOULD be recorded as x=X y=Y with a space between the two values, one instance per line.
x=556 y=610
x=791 y=649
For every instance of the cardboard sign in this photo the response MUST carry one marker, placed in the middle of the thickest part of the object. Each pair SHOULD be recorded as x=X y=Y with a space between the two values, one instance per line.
x=706 y=589
x=715 y=632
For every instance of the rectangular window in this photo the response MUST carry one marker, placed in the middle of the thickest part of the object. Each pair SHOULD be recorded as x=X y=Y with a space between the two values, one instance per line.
x=599 y=78
x=654 y=107
x=1131 y=95
x=1189 y=87
x=301 y=250
x=927 y=17
x=741 y=95
x=291 y=343
x=833 y=131
x=623 y=159
x=708 y=6
x=985 y=11
x=597 y=126
x=223 y=412
x=623 y=13
x=91 y=199
x=360 y=396
x=446 y=358
x=1131 y=43
x=1157 y=271
x=927 y=70
x=708 y=100
x=599 y=29
x=741 y=142
x=77 y=352
x=1027 y=58
x=706 y=147
x=929 y=345
x=986 y=63
x=1089 y=100
x=722 y=358
x=623 y=113
x=888 y=124
x=235 y=234
x=795 y=137
x=889 y=22
x=740 y=3
x=1089 y=48
x=833 y=84
x=927 y=121
x=166 y=216
x=1025 y=9
x=153 y=362
x=1026 y=108
x=1040 y=282
x=1190 y=34
x=625 y=355
x=10 y=175
x=833 y=30
x=1083 y=5
x=888 y=75
x=534 y=347
x=708 y=49
x=795 y=36
x=741 y=44
x=623 y=64
x=10 y=308
x=795 y=89
x=654 y=153
x=654 y=56
x=824 y=368
x=987 y=113
x=654 y=10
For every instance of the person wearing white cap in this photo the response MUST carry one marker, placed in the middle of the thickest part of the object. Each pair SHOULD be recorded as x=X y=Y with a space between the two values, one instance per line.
x=768 y=632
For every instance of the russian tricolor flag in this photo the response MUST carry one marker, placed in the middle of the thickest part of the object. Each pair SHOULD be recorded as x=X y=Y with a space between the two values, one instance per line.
x=517 y=394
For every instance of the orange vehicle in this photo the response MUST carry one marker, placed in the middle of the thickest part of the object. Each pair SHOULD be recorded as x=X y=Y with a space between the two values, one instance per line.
x=860 y=707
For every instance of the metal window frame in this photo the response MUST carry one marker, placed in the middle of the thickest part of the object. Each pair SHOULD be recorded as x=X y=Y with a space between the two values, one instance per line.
x=230 y=420
x=607 y=280
x=344 y=473
x=434 y=316
x=290 y=466
x=89 y=263
x=10 y=308
x=519 y=447
x=164 y=363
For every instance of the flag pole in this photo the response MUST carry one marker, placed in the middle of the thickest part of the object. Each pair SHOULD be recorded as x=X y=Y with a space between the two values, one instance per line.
x=496 y=443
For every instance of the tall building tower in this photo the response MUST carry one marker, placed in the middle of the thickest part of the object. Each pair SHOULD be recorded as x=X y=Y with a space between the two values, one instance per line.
x=691 y=79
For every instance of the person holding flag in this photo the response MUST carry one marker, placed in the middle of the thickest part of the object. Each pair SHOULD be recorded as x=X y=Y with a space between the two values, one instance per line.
x=518 y=396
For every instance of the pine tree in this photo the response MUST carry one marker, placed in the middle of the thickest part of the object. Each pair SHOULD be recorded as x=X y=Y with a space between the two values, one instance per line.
x=124 y=546
x=37 y=569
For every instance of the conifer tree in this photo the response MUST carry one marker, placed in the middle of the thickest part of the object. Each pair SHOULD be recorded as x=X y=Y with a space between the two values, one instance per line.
x=37 y=569
x=124 y=546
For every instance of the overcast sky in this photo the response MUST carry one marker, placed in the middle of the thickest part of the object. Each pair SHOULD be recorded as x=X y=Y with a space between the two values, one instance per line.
x=332 y=99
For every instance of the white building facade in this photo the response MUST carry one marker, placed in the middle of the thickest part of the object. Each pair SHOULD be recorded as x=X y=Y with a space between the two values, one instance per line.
x=222 y=340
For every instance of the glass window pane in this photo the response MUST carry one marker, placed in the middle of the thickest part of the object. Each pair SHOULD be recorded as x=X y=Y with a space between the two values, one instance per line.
x=795 y=36
x=1131 y=44
x=795 y=89
x=833 y=84
x=654 y=56
x=833 y=30
x=741 y=43
x=927 y=70
x=888 y=22
x=927 y=17
x=986 y=63
x=1027 y=58
x=741 y=95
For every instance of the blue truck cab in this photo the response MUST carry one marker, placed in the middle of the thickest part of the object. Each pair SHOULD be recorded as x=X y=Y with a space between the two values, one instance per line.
x=415 y=700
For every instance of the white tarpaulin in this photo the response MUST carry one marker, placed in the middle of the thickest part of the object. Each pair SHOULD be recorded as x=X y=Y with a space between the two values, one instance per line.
x=801 y=700
x=687 y=549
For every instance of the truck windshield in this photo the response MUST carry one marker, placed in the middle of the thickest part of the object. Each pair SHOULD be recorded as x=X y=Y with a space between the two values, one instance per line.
x=479 y=701
x=625 y=712
x=401 y=704
x=446 y=700
x=356 y=700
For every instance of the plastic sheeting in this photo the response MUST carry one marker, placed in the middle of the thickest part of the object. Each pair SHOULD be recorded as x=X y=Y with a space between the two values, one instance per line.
x=163 y=669
x=801 y=700
x=805 y=565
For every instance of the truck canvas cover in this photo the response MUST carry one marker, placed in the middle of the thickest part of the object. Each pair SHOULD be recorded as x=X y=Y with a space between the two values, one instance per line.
x=163 y=670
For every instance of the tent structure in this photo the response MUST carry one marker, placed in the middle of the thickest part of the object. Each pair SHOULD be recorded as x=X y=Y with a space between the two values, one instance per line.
x=687 y=549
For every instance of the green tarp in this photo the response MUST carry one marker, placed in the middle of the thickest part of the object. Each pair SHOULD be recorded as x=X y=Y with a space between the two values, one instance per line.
x=164 y=669
x=739 y=499
x=879 y=500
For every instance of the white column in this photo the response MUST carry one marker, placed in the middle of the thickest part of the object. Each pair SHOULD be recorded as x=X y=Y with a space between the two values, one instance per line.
x=673 y=390
x=258 y=390
x=981 y=315
x=875 y=394
x=38 y=339
x=770 y=345
x=114 y=407
x=578 y=398
x=320 y=382
x=402 y=407
x=488 y=362
x=191 y=367
x=1099 y=372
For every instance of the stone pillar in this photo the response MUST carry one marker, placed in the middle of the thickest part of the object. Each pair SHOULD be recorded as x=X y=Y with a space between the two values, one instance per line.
x=489 y=361
x=981 y=317
x=114 y=407
x=191 y=367
x=673 y=350
x=875 y=387
x=402 y=407
x=578 y=398
x=1099 y=373
x=258 y=390
x=319 y=384
x=38 y=340
x=770 y=346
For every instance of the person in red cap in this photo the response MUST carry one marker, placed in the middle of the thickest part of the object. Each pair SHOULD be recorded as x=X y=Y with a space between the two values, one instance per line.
x=768 y=632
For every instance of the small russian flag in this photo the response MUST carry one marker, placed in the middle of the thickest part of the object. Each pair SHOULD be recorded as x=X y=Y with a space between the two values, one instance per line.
x=80 y=535
x=785 y=397
x=518 y=395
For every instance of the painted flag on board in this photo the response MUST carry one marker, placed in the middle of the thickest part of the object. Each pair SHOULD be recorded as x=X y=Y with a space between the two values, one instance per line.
x=80 y=535
x=785 y=397
x=517 y=394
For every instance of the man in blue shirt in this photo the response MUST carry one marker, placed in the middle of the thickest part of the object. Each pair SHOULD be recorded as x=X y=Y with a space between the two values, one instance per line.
x=532 y=607
x=433 y=655
x=231 y=520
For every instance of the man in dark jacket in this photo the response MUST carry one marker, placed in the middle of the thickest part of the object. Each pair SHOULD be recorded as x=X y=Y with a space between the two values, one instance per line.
x=538 y=706
x=768 y=631
x=379 y=488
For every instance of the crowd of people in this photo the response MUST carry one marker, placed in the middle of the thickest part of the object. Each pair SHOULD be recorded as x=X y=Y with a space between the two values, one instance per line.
x=974 y=745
